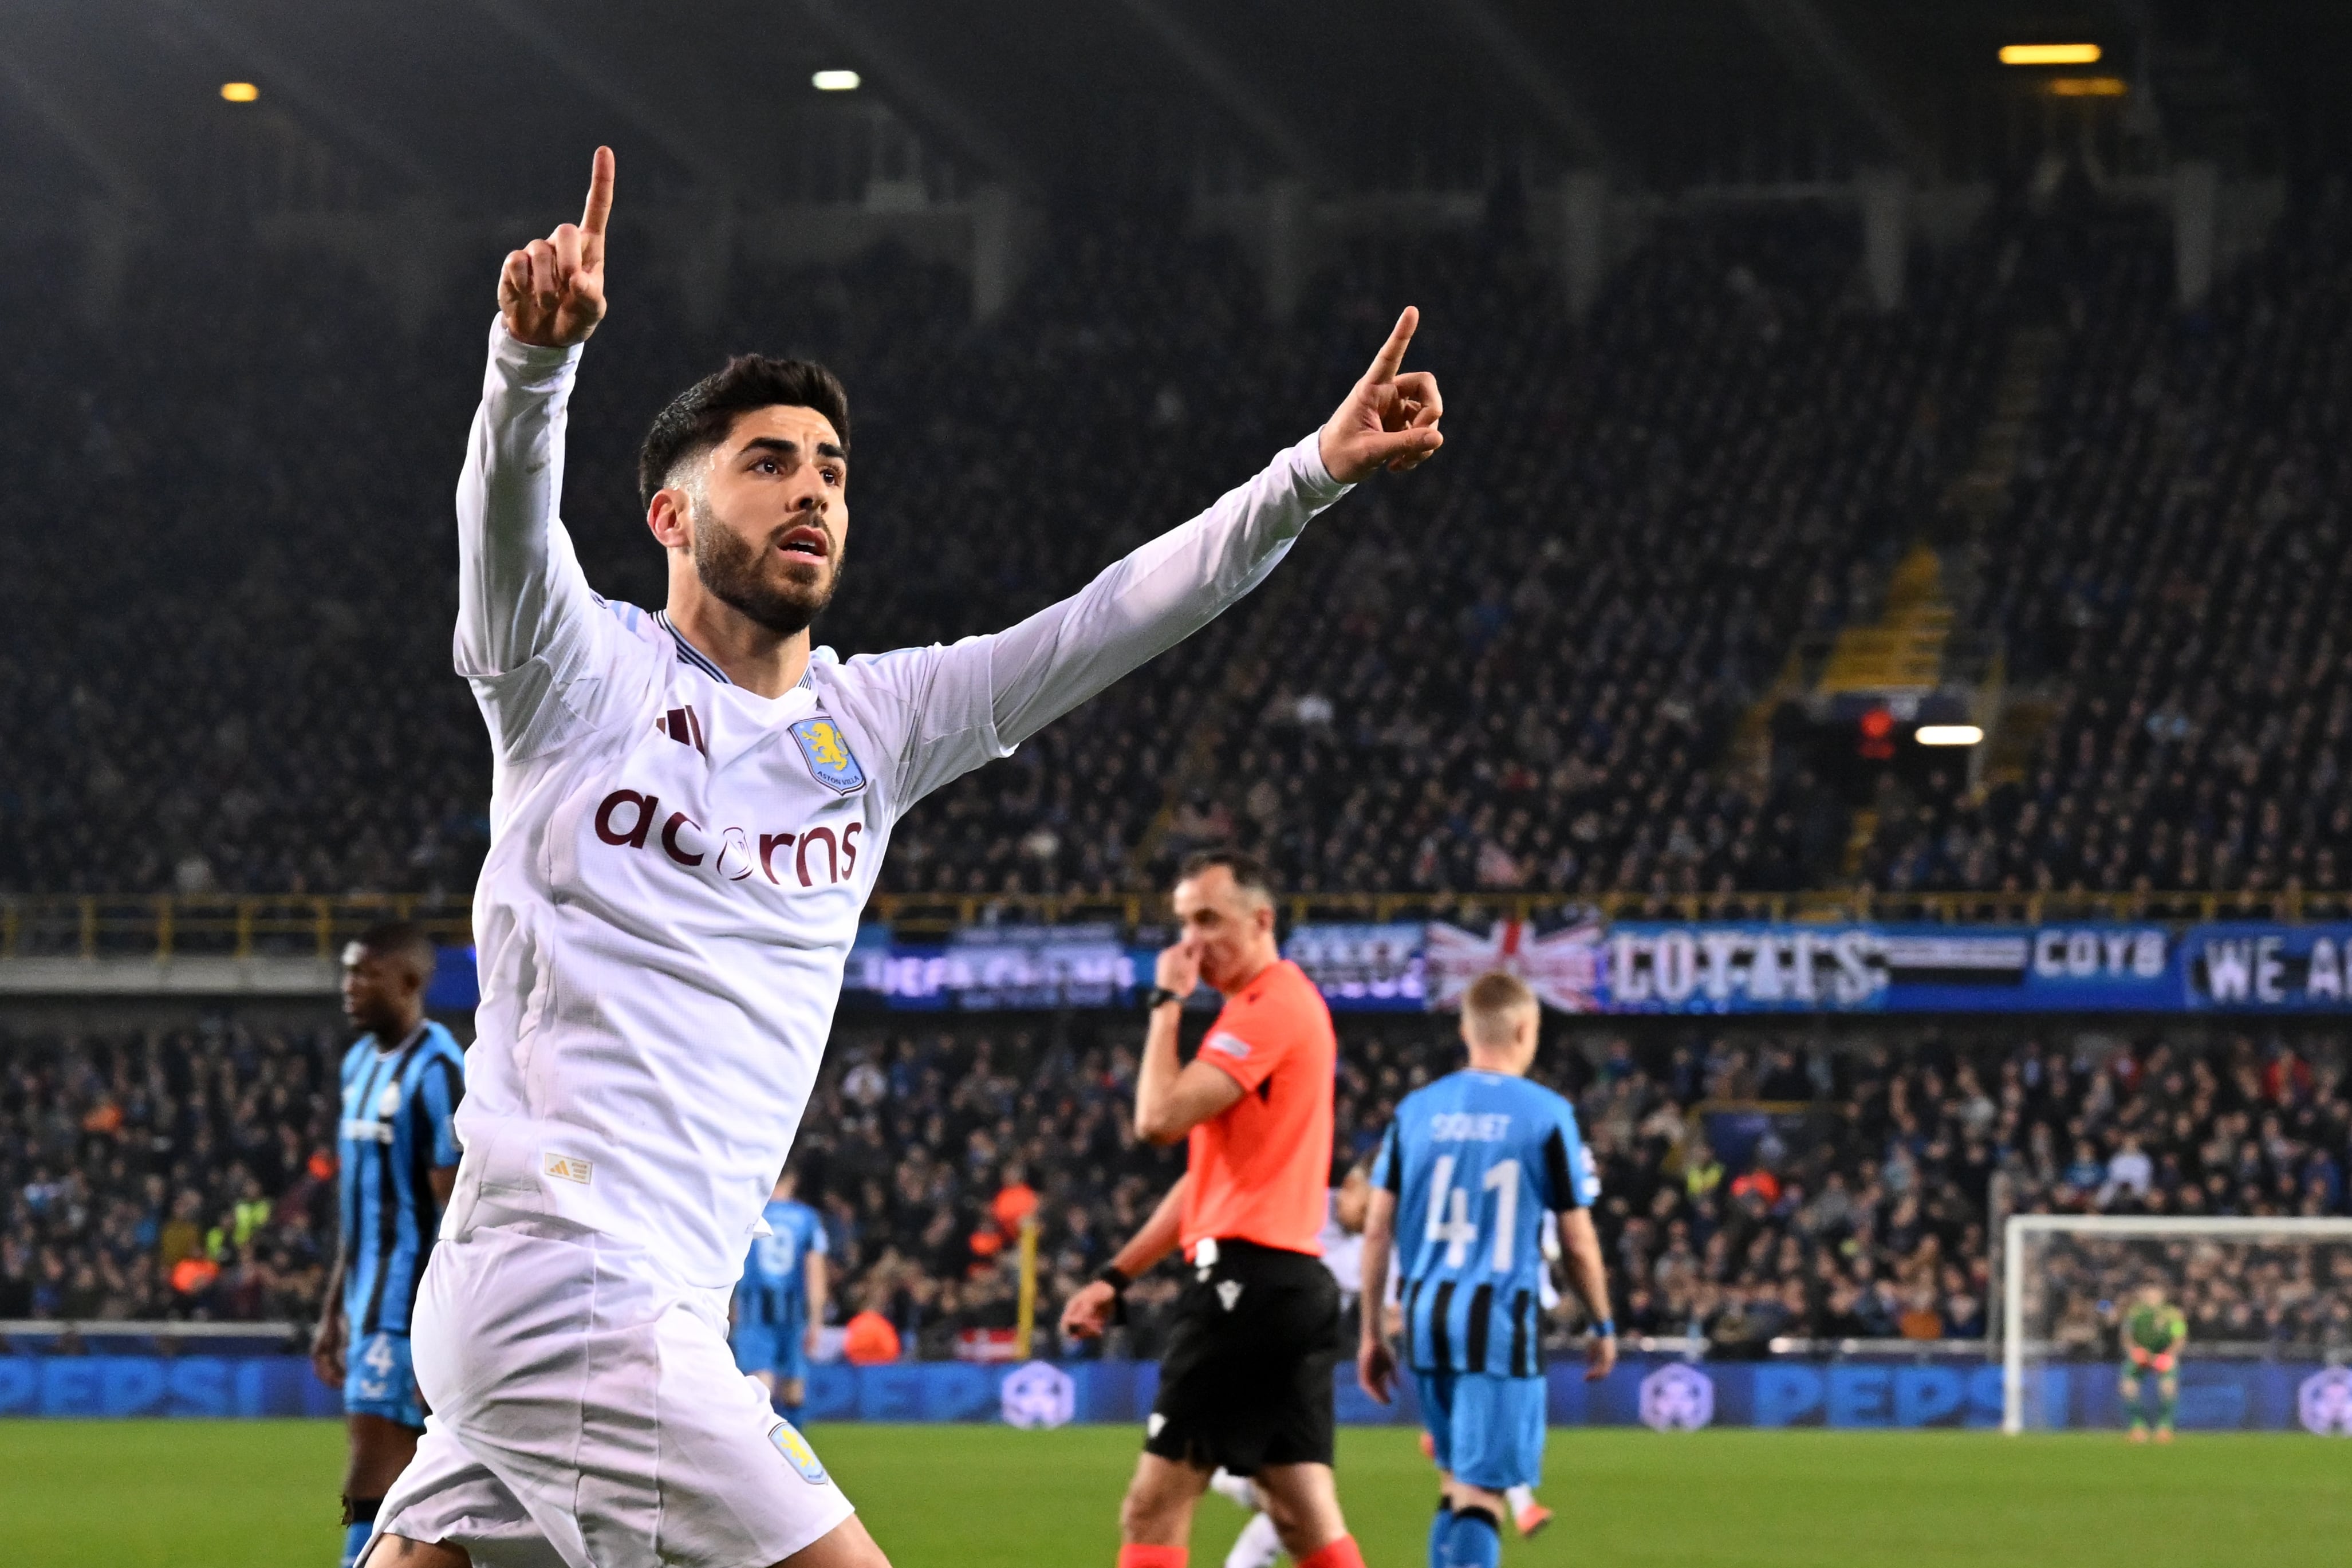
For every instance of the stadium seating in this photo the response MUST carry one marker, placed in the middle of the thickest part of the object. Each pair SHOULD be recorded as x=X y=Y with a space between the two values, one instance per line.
x=241 y=682
x=2169 y=562
x=1519 y=669
x=190 y=1174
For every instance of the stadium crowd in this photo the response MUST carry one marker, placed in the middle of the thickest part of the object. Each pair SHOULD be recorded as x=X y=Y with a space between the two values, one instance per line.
x=1522 y=674
x=192 y=1175
x=1721 y=449
x=2184 y=497
x=1520 y=669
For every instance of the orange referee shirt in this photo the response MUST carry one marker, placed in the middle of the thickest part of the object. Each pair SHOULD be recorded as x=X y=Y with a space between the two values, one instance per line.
x=1261 y=1167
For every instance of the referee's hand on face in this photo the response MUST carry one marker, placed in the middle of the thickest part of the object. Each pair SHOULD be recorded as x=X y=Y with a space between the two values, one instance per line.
x=1088 y=1313
x=1178 y=968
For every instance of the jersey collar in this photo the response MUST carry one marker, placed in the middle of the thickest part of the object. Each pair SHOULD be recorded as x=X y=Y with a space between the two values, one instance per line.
x=408 y=1040
x=689 y=654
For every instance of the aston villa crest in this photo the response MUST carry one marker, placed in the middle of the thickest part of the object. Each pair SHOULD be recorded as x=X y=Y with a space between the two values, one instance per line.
x=828 y=751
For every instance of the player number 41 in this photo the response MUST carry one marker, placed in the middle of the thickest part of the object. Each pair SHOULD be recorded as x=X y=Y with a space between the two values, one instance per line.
x=1449 y=1212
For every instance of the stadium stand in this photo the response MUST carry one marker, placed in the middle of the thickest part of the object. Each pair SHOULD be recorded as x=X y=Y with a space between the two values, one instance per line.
x=1520 y=671
x=1727 y=442
x=301 y=731
x=190 y=1174
x=1523 y=675
x=2165 y=568
x=1664 y=504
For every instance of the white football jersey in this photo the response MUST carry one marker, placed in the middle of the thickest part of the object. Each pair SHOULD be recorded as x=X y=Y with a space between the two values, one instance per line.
x=1343 y=1249
x=677 y=865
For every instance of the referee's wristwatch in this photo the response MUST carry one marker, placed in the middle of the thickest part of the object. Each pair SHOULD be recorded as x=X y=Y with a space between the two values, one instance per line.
x=1158 y=998
x=1119 y=1279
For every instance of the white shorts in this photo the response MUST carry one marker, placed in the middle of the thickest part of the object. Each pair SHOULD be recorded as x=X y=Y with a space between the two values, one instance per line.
x=586 y=1414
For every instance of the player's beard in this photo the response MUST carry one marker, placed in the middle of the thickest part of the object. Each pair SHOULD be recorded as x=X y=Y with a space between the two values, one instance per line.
x=730 y=567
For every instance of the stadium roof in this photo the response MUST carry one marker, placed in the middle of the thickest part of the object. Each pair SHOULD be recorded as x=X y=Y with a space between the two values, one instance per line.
x=488 y=101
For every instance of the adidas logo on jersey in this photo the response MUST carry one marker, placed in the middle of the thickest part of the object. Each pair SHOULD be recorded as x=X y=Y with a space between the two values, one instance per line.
x=625 y=820
x=568 y=1168
x=683 y=725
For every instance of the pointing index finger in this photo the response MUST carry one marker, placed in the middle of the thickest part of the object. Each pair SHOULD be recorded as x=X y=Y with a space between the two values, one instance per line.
x=1391 y=354
x=600 y=194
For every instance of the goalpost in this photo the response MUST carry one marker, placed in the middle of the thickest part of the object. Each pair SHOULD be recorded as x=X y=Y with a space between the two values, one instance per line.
x=2065 y=1278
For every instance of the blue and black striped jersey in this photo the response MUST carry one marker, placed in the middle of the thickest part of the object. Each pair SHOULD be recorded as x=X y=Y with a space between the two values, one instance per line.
x=1476 y=1160
x=774 y=1288
x=396 y=1128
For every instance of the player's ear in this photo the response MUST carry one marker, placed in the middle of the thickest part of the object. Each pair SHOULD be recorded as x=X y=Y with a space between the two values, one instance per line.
x=670 y=517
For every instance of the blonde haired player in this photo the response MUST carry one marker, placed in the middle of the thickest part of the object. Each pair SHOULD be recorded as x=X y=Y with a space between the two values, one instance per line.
x=688 y=808
x=1470 y=1168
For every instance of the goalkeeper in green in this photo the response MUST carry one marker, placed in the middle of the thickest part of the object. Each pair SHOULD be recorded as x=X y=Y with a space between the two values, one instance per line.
x=2153 y=1332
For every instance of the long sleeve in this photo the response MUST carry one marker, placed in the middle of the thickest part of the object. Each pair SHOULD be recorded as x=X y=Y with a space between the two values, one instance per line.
x=524 y=610
x=978 y=699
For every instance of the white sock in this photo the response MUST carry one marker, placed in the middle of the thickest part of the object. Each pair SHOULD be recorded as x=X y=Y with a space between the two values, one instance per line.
x=1521 y=1498
x=1240 y=1490
x=1258 y=1547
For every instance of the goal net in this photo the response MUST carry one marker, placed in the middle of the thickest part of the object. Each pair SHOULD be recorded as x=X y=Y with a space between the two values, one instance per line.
x=2266 y=1305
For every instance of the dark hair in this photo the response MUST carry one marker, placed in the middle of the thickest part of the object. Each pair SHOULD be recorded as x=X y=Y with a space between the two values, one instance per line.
x=1249 y=872
x=700 y=417
x=402 y=939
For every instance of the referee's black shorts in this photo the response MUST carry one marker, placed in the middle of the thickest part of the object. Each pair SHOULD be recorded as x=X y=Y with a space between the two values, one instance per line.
x=1246 y=1377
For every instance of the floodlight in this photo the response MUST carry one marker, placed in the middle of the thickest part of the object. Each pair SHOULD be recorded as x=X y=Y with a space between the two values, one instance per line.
x=835 y=81
x=1947 y=735
x=239 y=92
x=2050 y=53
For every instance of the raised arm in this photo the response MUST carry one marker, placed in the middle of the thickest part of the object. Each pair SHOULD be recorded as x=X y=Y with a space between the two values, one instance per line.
x=518 y=584
x=986 y=695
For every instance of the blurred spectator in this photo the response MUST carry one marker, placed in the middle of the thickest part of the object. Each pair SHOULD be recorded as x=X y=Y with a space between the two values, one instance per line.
x=868 y=1339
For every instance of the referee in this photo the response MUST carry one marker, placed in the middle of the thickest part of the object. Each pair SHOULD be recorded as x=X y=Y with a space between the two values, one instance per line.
x=1245 y=1383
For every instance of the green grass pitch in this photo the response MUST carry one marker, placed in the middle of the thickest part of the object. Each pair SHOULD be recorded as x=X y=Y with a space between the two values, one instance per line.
x=143 y=1494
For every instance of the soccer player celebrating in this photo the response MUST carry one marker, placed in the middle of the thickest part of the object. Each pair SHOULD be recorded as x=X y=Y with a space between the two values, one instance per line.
x=688 y=809
x=1482 y=1154
x=1246 y=1384
x=780 y=1304
x=398 y=1152
x=2154 y=1330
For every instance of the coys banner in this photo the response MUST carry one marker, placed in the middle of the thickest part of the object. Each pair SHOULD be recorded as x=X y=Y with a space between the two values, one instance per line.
x=1726 y=968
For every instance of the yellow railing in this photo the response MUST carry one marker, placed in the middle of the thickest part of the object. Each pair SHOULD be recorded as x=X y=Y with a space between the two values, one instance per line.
x=918 y=914
x=311 y=925
x=292 y=925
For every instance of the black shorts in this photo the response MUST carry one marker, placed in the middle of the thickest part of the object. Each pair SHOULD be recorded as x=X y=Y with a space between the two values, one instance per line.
x=1246 y=1379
